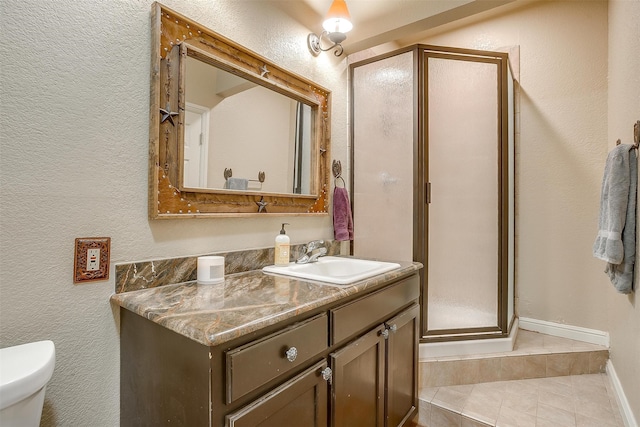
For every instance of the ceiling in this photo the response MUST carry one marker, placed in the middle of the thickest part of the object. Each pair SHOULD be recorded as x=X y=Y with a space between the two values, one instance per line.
x=378 y=22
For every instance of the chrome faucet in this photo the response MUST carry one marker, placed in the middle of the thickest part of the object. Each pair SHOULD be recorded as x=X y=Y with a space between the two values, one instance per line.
x=312 y=251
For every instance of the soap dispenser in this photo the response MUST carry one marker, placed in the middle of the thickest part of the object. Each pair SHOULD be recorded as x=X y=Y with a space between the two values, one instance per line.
x=282 y=248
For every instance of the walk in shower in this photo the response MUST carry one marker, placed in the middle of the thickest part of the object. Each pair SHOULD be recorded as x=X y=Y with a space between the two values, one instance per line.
x=432 y=181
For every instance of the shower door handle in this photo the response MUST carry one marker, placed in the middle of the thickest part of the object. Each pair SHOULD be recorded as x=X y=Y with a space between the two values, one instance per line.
x=427 y=192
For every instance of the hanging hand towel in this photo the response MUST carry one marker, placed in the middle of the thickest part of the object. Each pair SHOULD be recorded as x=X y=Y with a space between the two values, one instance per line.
x=342 y=220
x=616 y=240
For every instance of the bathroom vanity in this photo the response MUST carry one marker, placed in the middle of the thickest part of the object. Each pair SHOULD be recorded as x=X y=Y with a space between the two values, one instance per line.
x=267 y=350
x=258 y=349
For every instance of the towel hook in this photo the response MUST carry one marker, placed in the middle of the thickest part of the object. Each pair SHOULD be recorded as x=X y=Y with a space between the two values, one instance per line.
x=336 y=167
x=636 y=135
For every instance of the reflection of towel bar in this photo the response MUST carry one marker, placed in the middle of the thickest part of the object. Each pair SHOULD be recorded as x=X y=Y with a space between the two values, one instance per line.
x=228 y=173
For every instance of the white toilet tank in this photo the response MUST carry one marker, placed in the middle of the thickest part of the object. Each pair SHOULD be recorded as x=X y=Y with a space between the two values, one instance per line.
x=25 y=371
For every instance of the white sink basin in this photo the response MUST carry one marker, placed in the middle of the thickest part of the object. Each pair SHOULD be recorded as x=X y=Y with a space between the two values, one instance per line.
x=336 y=270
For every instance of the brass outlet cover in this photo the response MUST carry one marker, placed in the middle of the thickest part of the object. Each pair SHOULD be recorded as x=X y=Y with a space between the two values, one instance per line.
x=81 y=271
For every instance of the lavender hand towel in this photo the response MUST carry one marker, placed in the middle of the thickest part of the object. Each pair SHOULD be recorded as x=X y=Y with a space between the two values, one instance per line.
x=342 y=219
x=616 y=240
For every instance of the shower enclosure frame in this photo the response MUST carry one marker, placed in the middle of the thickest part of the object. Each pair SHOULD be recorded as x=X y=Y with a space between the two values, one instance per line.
x=420 y=54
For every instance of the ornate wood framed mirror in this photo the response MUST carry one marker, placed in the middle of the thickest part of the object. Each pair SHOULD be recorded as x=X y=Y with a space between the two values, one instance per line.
x=231 y=133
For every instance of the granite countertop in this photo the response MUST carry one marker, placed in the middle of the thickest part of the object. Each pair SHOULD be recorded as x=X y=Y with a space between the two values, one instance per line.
x=243 y=303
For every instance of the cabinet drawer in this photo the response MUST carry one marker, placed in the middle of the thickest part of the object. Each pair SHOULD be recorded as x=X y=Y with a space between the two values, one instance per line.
x=362 y=314
x=257 y=363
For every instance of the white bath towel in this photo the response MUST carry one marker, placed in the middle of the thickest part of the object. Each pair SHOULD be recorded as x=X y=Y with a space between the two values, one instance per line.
x=616 y=238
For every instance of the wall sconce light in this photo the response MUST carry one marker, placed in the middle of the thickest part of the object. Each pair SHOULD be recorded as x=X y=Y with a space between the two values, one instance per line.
x=336 y=25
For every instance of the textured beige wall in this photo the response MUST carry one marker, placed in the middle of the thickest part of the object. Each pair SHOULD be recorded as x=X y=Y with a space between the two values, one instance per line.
x=580 y=91
x=624 y=110
x=74 y=116
x=561 y=151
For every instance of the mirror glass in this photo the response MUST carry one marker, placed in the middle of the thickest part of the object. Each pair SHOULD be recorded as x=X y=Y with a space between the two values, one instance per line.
x=239 y=135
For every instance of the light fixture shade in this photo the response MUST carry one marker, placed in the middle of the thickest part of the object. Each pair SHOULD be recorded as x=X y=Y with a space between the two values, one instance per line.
x=338 y=18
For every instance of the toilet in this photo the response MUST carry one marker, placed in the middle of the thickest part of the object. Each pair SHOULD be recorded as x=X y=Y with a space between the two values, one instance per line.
x=25 y=371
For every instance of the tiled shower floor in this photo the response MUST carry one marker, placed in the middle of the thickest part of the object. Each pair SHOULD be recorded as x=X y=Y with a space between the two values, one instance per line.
x=549 y=400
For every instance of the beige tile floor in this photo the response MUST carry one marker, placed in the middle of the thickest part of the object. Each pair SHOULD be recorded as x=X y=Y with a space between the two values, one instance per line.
x=558 y=401
x=569 y=401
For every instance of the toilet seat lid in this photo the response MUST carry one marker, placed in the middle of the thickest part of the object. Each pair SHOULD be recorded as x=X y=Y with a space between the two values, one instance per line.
x=25 y=369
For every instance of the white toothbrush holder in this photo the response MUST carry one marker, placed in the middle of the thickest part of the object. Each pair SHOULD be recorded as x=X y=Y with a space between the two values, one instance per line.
x=210 y=270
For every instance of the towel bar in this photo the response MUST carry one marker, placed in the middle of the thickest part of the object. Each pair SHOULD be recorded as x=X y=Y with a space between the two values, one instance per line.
x=228 y=173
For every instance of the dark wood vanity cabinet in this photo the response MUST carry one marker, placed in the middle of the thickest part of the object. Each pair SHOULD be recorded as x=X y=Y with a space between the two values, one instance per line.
x=352 y=363
x=375 y=377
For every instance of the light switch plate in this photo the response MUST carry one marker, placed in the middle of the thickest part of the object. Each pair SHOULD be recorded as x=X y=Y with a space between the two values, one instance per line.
x=91 y=260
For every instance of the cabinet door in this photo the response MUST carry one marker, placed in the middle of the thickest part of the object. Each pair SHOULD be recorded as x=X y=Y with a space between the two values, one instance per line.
x=357 y=398
x=402 y=365
x=301 y=401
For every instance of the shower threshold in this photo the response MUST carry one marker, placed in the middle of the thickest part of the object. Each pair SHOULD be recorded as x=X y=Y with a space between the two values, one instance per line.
x=469 y=347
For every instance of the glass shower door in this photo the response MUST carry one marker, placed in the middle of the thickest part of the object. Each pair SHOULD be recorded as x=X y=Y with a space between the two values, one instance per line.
x=463 y=169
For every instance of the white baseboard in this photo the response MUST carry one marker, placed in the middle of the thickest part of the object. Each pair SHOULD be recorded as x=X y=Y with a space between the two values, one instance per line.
x=577 y=333
x=625 y=409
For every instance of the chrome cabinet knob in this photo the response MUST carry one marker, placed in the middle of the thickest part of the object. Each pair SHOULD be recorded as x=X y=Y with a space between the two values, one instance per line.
x=327 y=374
x=393 y=328
x=291 y=354
x=384 y=333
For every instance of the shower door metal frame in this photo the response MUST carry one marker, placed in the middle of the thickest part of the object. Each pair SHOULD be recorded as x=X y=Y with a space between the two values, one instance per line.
x=420 y=174
x=421 y=206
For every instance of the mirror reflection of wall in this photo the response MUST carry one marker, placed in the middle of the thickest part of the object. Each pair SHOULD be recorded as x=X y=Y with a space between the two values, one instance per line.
x=302 y=159
x=231 y=122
